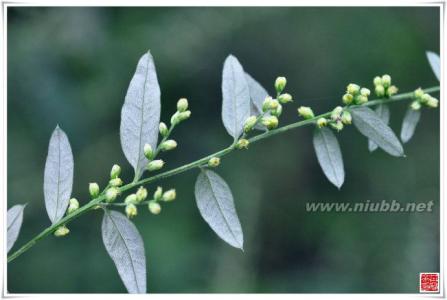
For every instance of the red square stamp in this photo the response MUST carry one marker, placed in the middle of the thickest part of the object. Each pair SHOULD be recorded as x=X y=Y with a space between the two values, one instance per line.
x=428 y=282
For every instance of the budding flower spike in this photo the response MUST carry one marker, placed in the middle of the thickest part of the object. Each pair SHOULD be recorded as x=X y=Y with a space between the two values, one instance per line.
x=93 y=189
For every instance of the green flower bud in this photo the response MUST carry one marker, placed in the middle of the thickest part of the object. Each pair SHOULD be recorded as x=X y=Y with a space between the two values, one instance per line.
x=111 y=194
x=346 y=117
x=93 y=188
x=353 y=89
x=425 y=98
x=380 y=91
x=285 y=98
x=61 y=231
x=182 y=104
x=158 y=193
x=242 y=144
x=321 y=122
x=347 y=99
x=386 y=80
x=274 y=104
x=180 y=116
x=277 y=112
x=154 y=207
x=141 y=194
x=270 y=122
x=214 y=162
x=163 y=129
x=131 y=210
x=415 y=105
x=392 y=90
x=433 y=102
x=148 y=152
x=377 y=80
x=115 y=172
x=266 y=103
x=155 y=165
x=250 y=123
x=169 y=195
x=360 y=99
x=168 y=145
x=338 y=125
x=336 y=113
x=365 y=92
x=131 y=199
x=306 y=112
x=73 y=205
x=418 y=93
x=116 y=182
x=280 y=84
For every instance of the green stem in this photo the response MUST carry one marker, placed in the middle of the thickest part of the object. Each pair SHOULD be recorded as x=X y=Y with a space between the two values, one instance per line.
x=93 y=203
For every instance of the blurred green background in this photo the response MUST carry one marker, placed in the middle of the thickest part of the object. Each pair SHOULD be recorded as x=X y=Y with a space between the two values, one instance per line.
x=72 y=66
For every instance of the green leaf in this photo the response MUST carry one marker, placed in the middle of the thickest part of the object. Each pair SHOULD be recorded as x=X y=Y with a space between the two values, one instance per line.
x=236 y=97
x=216 y=205
x=435 y=63
x=140 y=114
x=371 y=126
x=15 y=218
x=409 y=124
x=58 y=177
x=329 y=155
x=126 y=248
x=383 y=112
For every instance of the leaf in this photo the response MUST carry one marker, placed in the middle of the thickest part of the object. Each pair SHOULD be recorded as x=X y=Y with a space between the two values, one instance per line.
x=58 y=178
x=435 y=63
x=140 y=114
x=216 y=205
x=236 y=97
x=329 y=156
x=15 y=218
x=371 y=126
x=383 y=112
x=257 y=97
x=125 y=246
x=409 y=124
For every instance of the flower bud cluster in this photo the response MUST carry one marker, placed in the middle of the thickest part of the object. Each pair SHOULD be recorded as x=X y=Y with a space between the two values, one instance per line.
x=422 y=98
x=355 y=94
x=383 y=87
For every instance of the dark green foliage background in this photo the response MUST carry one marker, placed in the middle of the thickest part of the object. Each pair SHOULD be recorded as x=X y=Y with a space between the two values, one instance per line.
x=72 y=66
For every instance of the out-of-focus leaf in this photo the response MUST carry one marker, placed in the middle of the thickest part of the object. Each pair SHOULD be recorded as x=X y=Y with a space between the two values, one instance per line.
x=14 y=218
x=383 y=111
x=409 y=124
x=435 y=63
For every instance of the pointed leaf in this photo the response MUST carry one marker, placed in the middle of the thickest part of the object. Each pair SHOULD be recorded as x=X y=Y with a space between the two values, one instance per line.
x=15 y=218
x=236 y=97
x=371 y=126
x=383 y=112
x=125 y=246
x=58 y=178
x=435 y=63
x=215 y=203
x=329 y=155
x=140 y=114
x=409 y=124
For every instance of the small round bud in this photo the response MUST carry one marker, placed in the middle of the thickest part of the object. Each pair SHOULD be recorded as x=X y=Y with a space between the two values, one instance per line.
x=336 y=113
x=116 y=182
x=115 y=172
x=280 y=84
x=306 y=112
x=277 y=112
x=214 y=162
x=131 y=199
x=418 y=93
x=155 y=165
x=386 y=80
x=266 y=103
x=377 y=80
x=61 y=231
x=158 y=193
x=182 y=104
x=321 y=122
x=274 y=104
x=365 y=92
x=380 y=90
x=131 y=210
x=73 y=205
x=180 y=116
x=141 y=194
x=347 y=99
x=353 y=89
x=360 y=99
x=148 y=152
x=392 y=90
x=250 y=123
x=425 y=98
x=163 y=129
x=169 y=195
x=111 y=194
x=93 y=188
x=346 y=117
x=168 y=145
x=154 y=207
x=338 y=125
x=433 y=102
x=242 y=144
x=270 y=122
x=285 y=98
x=415 y=105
